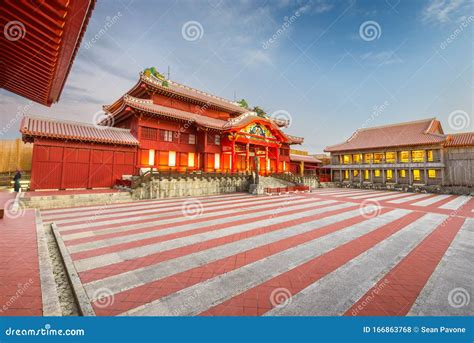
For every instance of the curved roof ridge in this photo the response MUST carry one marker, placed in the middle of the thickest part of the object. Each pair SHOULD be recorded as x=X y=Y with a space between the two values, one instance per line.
x=397 y=124
x=157 y=82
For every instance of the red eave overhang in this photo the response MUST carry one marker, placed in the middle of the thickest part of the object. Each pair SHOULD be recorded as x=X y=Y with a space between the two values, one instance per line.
x=39 y=41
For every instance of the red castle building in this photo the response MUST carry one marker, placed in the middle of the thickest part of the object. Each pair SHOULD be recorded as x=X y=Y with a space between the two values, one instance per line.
x=158 y=124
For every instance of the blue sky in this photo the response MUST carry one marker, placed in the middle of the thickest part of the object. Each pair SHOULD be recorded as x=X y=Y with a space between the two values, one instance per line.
x=311 y=60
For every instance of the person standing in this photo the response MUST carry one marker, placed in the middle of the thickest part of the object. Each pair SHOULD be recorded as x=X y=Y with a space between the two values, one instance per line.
x=16 y=180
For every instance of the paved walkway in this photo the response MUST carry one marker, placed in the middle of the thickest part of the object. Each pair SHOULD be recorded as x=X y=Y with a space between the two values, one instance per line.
x=20 y=288
x=331 y=252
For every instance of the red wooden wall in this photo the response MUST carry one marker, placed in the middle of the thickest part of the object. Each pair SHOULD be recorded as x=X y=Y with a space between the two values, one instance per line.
x=61 y=165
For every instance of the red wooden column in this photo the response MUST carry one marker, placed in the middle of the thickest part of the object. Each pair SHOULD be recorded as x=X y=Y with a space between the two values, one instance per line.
x=277 y=157
x=247 y=157
x=266 y=160
x=232 y=161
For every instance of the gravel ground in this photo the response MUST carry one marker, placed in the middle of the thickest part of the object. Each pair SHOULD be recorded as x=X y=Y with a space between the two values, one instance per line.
x=66 y=296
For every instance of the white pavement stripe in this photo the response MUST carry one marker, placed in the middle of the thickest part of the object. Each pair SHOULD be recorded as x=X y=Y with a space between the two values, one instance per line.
x=144 y=275
x=456 y=203
x=332 y=190
x=338 y=192
x=100 y=243
x=138 y=203
x=107 y=212
x=167 y=210
x=123 y=255
x=136 y=218
x=407 y=199
x=354 y=194
x=223 y=287
x=450 y=289
x=392 y=196
x=176 y=221
x=430 y=201
x=336 y=292
x=365 y=195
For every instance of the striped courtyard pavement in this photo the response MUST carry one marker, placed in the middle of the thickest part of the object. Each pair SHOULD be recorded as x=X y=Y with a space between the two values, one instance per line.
x=329 y=252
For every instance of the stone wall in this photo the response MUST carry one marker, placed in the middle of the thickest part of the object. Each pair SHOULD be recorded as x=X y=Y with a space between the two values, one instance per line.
x=191 y=186
x=436 y=189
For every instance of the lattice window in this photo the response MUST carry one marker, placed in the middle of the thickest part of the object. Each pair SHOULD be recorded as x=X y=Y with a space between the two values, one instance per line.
x=149 y=133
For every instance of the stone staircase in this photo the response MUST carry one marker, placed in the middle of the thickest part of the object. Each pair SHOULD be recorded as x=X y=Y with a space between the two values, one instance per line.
x=269 y=182
x=273 y=182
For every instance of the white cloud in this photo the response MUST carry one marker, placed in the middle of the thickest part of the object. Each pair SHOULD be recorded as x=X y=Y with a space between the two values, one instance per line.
x=382 y=58
x=444 y=11
x=255 y=57
x=315 y=6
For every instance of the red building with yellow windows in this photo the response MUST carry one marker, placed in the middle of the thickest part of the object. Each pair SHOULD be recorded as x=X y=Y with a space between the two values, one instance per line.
x=157 y=124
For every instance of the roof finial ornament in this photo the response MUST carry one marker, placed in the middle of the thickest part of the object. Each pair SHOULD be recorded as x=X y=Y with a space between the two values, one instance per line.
x=152 y=72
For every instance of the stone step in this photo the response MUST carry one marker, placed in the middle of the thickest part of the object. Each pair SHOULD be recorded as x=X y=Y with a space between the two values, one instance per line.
x=72 y=200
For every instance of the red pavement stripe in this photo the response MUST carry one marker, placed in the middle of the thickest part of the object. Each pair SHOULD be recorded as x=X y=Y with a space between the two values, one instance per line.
x=408 y=205
x=405 y=281
x=173 y=216
x=138 y=296
x=122 y=267
x=417 y=200
x=148 y=241
x=205 y=209
x=129 y=211
x=278 y=205
x=19 y=266
x=256 y=301
x=442 y=201
x=465 y=210
x=73 y=210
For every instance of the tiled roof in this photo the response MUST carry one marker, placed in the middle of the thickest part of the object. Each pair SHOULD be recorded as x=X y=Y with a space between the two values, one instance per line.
x=304 y=158
x=147 y=105
x=39 y=44
x=192 y=93
x=32 y=126
x=460 y=139
x=427 y=131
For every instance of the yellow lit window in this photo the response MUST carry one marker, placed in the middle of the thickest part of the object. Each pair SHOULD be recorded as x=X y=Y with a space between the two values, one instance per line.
x=366 y=175
x=357 y=158
x=172 y=159
x=404 y=156
x=430 y=155
x=390 y=157
x=431 y=173
x=389 y=174
x=368 y=158
x=191 y=159
x=217 y=161
x=151 y=157
x=416 y=175
x=346 y=174
x=417 y=156
x=377 y=173
x=356 y=172
x=378 y=157
x=347 y=159
x=403 y=173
